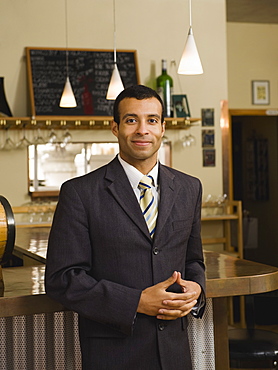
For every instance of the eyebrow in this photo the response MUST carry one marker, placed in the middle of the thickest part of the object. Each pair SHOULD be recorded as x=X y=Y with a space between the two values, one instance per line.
x=135 y=115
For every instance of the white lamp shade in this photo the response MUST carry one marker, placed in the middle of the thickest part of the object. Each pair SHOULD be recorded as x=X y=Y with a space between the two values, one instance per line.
x=190 y=63
x=68 y=98
x=116 y=85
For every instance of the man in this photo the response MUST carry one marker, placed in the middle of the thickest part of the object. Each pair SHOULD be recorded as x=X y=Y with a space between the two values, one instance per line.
x=132 y=286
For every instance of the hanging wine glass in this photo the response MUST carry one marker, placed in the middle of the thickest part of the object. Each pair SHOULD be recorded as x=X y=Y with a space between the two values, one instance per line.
x=66 y=138
x=23 y=142
x=185 y=142
x=188 y=140
x=38 y=139
x=52 y=139
x=8 y=143
x=191 y=139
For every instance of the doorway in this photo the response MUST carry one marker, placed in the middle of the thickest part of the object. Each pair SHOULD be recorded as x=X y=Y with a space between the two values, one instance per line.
x=254 y=172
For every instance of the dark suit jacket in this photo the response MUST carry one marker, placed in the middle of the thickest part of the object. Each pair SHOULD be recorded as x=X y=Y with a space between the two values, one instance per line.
x=100 y=258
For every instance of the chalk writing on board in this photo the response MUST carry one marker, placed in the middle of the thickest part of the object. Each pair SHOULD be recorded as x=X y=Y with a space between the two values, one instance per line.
x=89 y=73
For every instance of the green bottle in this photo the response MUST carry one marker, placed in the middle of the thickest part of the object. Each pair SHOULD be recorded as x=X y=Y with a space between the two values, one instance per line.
x=164 y=86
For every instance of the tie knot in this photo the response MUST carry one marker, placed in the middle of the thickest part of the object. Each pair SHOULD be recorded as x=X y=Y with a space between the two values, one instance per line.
x=146 y=182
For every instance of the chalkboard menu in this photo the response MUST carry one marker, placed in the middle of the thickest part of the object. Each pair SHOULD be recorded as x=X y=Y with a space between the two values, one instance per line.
x=89 y=72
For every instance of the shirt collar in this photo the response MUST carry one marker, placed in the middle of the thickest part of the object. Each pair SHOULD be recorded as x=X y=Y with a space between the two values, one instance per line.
x=135 y=175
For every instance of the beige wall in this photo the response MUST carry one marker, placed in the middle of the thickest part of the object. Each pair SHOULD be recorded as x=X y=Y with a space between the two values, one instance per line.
x=252 y=55
x=155 y=28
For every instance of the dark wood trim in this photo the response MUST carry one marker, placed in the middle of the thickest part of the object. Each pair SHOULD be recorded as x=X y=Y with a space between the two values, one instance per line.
x=51 y=195
x=221 y=341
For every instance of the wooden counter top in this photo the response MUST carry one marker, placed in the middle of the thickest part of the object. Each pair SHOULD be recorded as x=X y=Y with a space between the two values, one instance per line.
x=32 y=242
x=24 y=286
x=230 y=276
x=226 y=276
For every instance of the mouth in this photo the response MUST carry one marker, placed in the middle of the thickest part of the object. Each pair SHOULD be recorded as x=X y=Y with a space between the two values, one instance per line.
x=141 y=143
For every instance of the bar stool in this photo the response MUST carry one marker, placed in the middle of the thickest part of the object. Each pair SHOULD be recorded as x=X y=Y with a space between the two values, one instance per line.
x=250 y=347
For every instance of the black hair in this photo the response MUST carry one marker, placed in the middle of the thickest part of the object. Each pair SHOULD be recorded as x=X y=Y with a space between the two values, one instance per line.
x=139 y=92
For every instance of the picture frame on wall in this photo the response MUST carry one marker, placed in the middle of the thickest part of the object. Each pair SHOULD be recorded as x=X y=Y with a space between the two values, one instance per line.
x=208 y=157
x=207 y=138
x=207 y=116
x=180 y=106
x=260 y=93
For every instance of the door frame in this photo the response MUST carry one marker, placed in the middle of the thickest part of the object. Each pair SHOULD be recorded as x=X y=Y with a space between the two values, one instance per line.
x=227 y=144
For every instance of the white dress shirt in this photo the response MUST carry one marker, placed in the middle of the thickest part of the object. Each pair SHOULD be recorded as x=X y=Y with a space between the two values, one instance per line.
x=135 y=176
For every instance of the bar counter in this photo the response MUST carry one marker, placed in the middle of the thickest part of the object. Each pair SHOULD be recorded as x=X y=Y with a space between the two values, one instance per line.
x=227 y=276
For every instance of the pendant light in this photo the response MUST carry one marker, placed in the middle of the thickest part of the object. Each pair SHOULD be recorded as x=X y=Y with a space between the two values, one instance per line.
x=67 y=98
x=190 y=63
x=115 y=85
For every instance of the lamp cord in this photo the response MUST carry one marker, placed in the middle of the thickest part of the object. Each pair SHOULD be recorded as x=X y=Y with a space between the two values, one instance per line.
x=114 y=20
x=66 y=26
x=190 y=14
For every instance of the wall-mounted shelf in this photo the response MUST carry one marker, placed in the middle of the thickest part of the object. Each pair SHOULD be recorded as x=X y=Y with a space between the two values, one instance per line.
x=82 y=122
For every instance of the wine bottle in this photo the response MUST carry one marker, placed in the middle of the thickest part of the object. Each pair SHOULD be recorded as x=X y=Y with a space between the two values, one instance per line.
x=164 y=86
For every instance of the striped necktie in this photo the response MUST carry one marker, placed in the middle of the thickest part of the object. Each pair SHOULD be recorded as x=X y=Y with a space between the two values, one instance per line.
x=147 y=203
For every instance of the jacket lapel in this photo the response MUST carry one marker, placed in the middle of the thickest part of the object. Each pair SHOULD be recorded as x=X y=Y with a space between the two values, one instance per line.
x=168 y=194
x=121 y=190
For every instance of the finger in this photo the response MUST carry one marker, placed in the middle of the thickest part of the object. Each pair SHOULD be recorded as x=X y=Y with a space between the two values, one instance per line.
x=182 y=283
x=179 y=303
x=172 y=314
x=178 y=312
x=179 y=278
x=175 y=297
x=171 y=280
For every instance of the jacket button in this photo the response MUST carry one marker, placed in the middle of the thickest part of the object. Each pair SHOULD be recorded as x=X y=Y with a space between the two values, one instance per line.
x=155 y=251
x=161 y=326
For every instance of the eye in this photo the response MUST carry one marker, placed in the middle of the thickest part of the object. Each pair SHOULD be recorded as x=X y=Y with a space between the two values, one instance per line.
x=153 y=121
x=130 y=120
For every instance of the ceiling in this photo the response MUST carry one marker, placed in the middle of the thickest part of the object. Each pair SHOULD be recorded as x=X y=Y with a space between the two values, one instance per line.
x=252 y=11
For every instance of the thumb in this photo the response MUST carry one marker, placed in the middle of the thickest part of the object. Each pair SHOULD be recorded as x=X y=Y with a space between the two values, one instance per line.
x=171 y=280
x=179 y=279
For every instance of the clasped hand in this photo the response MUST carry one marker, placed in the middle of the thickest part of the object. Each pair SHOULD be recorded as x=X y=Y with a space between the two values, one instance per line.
x=156 y=301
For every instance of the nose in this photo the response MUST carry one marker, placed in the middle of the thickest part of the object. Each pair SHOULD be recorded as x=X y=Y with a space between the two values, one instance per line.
x=142 y=128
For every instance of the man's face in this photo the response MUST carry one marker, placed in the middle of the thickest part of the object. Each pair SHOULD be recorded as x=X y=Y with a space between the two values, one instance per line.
x=140 y=130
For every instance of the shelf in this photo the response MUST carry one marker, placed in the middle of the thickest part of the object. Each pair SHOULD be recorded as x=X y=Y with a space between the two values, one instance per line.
x=214 y=240
x=219 y=217
x=232 y=212
x=81 y=122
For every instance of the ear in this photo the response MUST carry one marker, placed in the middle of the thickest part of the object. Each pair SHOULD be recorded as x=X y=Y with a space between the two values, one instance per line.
x=114 y=128
x=163 y=128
